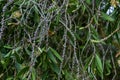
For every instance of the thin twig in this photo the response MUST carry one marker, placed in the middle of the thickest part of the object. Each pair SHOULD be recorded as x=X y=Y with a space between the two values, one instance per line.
x=101 y=40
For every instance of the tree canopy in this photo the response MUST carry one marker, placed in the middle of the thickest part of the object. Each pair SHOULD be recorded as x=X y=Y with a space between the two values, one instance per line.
x=59 y=39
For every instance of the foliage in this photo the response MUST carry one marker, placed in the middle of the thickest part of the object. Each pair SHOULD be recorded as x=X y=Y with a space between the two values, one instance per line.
x=59 y=39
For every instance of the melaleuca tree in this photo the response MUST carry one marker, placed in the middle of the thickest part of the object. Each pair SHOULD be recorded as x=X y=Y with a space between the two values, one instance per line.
x=59 y=39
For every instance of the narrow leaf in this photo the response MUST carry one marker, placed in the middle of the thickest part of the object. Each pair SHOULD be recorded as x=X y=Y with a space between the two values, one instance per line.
x=23 y=71
x=7 y=47
x=33 y=74
x=55 y=68
x=51 y=56
x=56 y=54
x=107 y=17
x=99 y=65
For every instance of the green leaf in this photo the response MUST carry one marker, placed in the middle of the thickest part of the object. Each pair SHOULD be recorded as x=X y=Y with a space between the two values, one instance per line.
x=40 y=50
x=99 y=65
x=56 y=54
x=88 y=1
x=36 y=14
x=45 y=75
x=87 y=62
x=8 y=54
x=1 y=0
x=107 y=17
x=108 y=67
x=27 y=51
x=55 y=68
x=19 y=2
x=18 y=57
x=51 y=56
x=52 y=9
x=94 y=32
x=23 y=71
x=57 y=18
x=18 y=66
x=95 y=19
x=73 y=6
x=117 y=37
x=3 y=64
x=17 y=49
x=10 y=78
x=7 y=47
x=33 y=74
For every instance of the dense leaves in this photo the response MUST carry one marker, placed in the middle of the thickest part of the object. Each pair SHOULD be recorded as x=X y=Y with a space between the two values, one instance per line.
x=59 y=39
